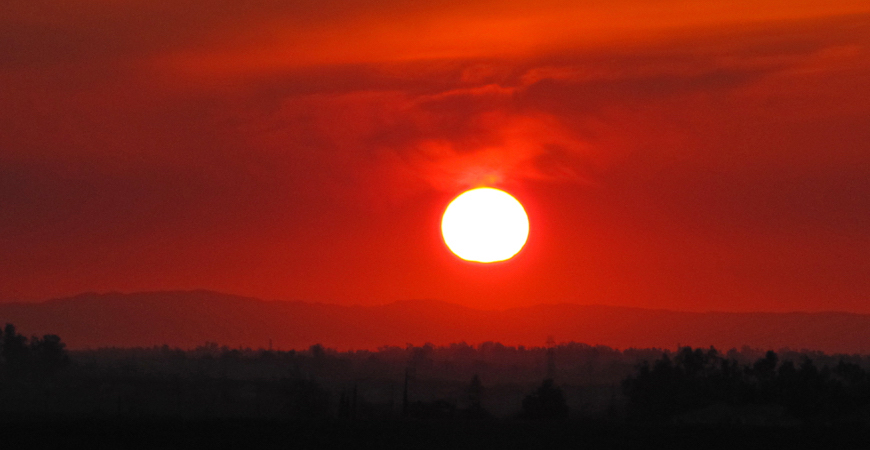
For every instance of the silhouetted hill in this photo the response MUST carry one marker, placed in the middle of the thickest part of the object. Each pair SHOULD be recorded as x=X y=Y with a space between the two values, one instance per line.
x=190 y=318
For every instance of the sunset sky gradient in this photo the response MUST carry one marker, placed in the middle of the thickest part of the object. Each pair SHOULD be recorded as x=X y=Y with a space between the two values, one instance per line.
x=695 y=156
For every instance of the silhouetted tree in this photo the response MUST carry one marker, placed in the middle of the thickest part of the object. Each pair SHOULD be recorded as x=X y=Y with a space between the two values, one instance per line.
x=317 y=352
x=804 y=391
x=653 y=391
x=475 y=392
x=696 y=379
x=48 y=354
x=546 y=403
x=765 y=368
x=852 y=386
x=475 y=399
x=850 y=373
x=15 y=352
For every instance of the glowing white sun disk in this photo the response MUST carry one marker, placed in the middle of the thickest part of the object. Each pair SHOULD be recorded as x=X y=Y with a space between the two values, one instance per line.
x=485 y=225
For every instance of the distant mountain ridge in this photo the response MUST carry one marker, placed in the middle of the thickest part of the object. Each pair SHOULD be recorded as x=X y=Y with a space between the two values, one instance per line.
x=187 y=319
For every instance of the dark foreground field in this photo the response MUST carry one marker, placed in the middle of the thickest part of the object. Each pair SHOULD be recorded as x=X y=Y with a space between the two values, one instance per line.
x=259 y=434
x=457 y=397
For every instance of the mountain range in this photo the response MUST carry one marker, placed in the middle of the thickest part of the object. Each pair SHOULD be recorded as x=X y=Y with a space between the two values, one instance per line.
x=187 y=319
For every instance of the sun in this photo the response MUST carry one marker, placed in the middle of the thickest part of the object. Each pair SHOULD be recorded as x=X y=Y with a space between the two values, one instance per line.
x=485 y=225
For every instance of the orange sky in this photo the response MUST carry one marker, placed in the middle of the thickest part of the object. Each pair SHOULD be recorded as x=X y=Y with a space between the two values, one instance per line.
x=681 y=155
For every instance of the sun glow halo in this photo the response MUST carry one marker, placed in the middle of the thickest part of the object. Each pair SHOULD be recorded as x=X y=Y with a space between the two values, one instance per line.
x=485 y=225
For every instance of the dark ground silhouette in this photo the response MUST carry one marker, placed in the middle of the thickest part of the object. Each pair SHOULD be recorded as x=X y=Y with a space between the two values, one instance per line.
x=703 y=386
x=457 y=396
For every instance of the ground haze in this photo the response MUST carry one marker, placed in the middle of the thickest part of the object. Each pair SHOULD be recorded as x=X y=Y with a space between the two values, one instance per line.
x=188 y=319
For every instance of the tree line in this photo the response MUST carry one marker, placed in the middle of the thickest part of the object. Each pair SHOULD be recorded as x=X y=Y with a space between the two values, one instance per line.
x=677 y=383
x=695 y=378
x=20 y=356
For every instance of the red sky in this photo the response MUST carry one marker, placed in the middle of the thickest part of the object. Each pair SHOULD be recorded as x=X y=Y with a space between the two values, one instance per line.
x=683 y=155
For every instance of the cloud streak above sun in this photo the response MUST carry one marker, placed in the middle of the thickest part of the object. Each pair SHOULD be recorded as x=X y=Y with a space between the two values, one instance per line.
x=151 y=136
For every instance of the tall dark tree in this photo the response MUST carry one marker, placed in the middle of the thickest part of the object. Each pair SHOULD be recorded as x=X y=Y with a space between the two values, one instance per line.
x=475 y=399
x=475 y=392
x=15 y=351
